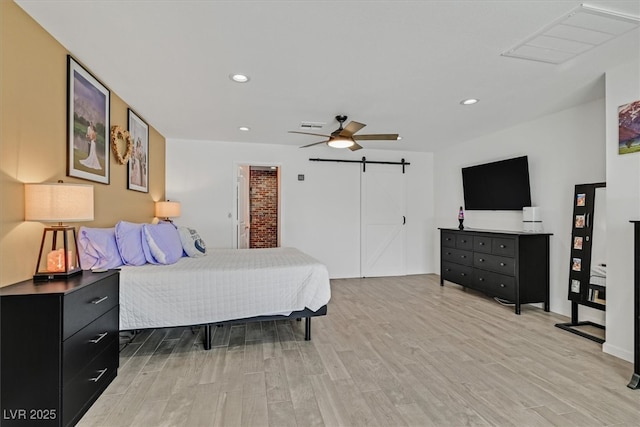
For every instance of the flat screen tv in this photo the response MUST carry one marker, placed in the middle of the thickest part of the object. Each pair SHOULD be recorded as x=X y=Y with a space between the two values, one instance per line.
x=497 y=186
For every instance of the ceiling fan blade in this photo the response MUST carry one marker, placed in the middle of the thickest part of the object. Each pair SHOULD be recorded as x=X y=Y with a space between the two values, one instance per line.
x=351 y=128
x=309 y=133
x=380 y=137
x=355 y=146
x=315 y=143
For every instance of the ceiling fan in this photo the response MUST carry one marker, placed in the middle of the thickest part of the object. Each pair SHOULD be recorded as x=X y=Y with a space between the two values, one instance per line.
x=346 y=138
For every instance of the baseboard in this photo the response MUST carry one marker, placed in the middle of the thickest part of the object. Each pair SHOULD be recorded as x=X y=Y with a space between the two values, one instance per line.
x=618 y=352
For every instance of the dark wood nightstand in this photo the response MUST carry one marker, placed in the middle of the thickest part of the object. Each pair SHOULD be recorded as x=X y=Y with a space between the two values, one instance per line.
x=58 y=347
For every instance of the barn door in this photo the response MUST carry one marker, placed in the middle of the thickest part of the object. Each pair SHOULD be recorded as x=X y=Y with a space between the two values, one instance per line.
x=383 y=210
x=242 y=198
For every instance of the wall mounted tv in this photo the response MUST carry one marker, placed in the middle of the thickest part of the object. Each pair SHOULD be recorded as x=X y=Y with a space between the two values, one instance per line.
x=497 y=186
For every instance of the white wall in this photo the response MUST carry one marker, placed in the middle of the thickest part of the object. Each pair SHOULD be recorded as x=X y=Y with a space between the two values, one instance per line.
x=623 y=205
x=564 y=149
x=320 y=215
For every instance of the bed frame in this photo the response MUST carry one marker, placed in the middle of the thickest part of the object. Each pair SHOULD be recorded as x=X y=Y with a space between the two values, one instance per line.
x=306 y=314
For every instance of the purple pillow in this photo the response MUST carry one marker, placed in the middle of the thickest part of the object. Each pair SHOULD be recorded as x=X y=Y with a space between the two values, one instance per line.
x=98 y=248
x=163 y=241
x=130 y=245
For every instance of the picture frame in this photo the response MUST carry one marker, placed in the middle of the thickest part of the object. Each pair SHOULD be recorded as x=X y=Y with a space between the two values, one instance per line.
x=629 y=128
x=577 y=242
x=138 y=165
x=580 y=221
x=576 y=264
x=88 y=127
x=581 y=199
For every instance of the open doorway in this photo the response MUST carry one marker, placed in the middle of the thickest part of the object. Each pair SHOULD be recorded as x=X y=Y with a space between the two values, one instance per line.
x=258 y=206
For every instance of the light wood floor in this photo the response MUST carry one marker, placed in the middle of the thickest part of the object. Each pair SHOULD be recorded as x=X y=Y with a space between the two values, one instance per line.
x=390 y=352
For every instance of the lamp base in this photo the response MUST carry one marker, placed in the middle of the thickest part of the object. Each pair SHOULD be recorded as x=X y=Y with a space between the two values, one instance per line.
x=46 y=276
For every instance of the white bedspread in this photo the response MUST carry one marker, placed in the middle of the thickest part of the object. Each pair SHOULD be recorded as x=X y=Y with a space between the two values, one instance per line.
x=226 y=284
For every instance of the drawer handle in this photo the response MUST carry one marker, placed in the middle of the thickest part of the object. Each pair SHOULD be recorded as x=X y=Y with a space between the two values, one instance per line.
x=448 y=253
x=481 y=259
x=502 y=285
x=463 y=256
x=102 y=372
x=97 y=340
x=502 y=264
x=448 y=239
x=99 y=300
x=463 y=274
x=481 y=279
x=502 y=246
x=447 y=269
x=464 y=241
x=481 y=243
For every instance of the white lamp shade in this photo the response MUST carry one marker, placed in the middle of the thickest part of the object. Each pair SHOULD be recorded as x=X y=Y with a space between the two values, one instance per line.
x=58 y=202
x=167 y=209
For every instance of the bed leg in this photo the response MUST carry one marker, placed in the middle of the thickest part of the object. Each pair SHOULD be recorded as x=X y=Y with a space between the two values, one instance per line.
x=207 y=337
x=307 y=328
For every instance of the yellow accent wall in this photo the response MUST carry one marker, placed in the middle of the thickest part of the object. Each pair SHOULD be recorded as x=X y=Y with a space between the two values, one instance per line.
x=33 y=142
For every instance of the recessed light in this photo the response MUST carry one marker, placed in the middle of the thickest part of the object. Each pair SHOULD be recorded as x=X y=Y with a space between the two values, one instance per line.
x=244 y=128
x=239 y=78
x=469 y=101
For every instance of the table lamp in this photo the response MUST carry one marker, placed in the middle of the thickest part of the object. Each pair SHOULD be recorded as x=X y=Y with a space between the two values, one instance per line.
x=58 y=202
x=167 y=209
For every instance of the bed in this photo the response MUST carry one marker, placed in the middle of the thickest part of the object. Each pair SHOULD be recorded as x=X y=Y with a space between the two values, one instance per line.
x=161 y=286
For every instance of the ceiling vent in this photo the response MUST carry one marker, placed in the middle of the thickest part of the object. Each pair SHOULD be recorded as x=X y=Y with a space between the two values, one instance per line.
x=311 y=125
x=582 y=29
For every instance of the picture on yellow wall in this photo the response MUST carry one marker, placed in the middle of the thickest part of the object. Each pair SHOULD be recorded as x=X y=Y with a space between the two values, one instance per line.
x=87 y=125
x=138 y=167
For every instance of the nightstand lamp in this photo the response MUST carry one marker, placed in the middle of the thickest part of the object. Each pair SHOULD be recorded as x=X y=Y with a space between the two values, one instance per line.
x=167 y=210
x=58 y=202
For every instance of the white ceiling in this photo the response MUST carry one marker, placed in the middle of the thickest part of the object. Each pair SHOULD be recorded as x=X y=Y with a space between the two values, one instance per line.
x=398 y=66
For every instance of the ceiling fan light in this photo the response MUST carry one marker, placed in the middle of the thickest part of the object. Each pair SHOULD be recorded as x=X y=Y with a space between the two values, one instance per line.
x=340 y=142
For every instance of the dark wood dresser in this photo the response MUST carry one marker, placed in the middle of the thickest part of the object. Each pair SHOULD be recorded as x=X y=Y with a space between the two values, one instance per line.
x=58 y=348
x=513 y=266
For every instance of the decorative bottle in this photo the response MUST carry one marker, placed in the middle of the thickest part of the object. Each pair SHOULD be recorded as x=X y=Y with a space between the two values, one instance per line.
x=461 y=218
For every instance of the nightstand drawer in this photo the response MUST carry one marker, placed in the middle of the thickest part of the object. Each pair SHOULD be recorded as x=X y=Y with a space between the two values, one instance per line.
x=499 y=264
x=85 y=388
x=88 y=342
x=88 y=303
x=457 y=256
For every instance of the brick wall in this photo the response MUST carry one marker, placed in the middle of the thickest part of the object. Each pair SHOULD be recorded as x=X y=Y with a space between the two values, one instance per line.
x=263 y=202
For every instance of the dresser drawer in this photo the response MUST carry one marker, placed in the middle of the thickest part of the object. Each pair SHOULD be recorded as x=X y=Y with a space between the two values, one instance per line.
x=88 y=303
x=456 y=273
x=448 y=240
x=88 y=342
x=84 y=389
x=495 y=285
x=504 y=247
x=499 y=264
x=482 y=244
x=457 y=256
x=464 y=241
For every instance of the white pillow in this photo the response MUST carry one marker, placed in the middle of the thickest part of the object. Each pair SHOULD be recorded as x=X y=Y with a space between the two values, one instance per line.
x=192 y=244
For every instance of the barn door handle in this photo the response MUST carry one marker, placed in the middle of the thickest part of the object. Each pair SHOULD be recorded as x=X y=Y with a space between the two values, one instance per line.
x=404 y=220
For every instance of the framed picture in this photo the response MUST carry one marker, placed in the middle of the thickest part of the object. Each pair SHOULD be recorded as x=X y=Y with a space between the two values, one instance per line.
x=138 y=167
x=577 y=242
x=87 y=125
x=577 y=264
x=629 y=128
x=575 y=286
x=579 y=221
x=580 y=199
